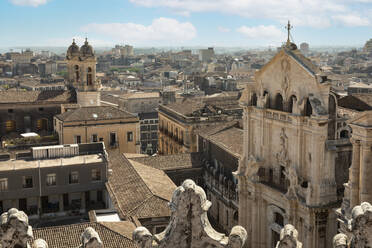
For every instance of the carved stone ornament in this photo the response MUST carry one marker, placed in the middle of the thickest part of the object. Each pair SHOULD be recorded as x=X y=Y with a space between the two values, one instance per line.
x=90 y=239
x=15 y=231
x=289 y=238
x=40 y=243
x=360 y=226
x=340 y=241
x=248 y=168
x=189 y=226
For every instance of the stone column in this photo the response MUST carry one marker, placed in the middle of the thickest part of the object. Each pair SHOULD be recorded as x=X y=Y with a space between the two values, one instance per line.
x=354 y=174
x=366 y=173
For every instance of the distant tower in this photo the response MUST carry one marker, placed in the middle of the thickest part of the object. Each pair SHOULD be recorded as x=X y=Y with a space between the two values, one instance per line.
x=81 y=66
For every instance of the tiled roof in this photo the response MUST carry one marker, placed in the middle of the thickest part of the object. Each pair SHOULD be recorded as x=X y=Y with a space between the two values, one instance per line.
x=356 y=102
x=189 y=106
x=138 y=190
x=171 y=162
x=70 y=235
x=94 y=113
x=227 y=136
x=49 y=96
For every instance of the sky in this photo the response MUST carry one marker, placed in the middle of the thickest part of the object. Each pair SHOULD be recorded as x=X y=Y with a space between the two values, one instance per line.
x=160 y=23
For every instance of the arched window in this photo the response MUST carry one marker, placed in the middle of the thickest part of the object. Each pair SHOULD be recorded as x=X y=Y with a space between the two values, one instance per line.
x=278 y=102
x=308 y=109
x=344 y=134
x=254 y=99
x=77 y=73
x=89 y=76
x=290 y=103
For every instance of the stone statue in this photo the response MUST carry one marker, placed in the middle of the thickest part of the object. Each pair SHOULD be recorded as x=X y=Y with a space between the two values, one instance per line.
x=189 y=226
x=340 y=241
x=291 y=174
x=282 y=155
x=289 y=238
x=90 y=239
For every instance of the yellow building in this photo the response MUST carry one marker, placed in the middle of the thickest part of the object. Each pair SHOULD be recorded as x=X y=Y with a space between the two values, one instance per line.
x=118 y=129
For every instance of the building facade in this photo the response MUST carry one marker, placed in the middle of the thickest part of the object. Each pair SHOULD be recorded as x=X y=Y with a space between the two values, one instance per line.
x=179 y=121
x=55 y=180
x=117 y=129
x=291 y=171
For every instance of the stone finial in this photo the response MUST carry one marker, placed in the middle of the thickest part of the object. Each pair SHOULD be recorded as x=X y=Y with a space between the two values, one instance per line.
x=189 y=226
x=340 y=241
x=289 y=238
x=15 y=231
x=142 y=237
x=237 y=237
x=40 y=243
x=360 y=226
x=90 y=239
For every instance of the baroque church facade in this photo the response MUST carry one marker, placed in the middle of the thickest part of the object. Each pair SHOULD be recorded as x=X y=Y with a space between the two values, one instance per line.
x=291 y=170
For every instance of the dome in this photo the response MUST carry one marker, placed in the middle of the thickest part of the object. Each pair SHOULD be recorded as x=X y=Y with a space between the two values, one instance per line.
x=86 y=49
x=73 y=50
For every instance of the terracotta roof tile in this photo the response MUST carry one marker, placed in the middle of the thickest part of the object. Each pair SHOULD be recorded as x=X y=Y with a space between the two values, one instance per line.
x=94 y=113
x=134 y=192
x=69 y=236
x=50 y=96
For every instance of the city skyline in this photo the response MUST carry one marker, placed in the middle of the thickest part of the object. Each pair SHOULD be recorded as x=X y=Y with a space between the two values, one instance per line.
x=144 y=23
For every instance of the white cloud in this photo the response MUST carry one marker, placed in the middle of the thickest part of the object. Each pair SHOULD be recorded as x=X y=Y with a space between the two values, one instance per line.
x=160 y=31
x=267 y=33
x=223 y=29
x=33 y=3
x=352 y=20
x=315 y=13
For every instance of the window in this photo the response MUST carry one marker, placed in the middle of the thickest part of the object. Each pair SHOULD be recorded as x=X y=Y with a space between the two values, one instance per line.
x=113 y=139
x=73 y=177
x=51 y=179
x=96 y=175
x=3 y=184
x=10 y=125
x=10 y=110
x=279 y=219
x=94 y=138
x=77 y=139
x=129 y=136
x=27 y=182
x=41 y=109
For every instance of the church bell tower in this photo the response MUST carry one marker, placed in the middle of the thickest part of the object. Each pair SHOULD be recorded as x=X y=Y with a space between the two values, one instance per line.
x=81 y=66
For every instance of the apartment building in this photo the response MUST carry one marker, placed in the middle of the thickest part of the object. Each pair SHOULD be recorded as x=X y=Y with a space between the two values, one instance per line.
x=55 y=180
